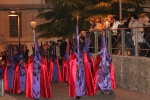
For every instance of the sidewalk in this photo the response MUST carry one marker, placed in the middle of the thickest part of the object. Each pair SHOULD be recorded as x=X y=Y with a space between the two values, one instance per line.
x=7 y=97
x=60 y=92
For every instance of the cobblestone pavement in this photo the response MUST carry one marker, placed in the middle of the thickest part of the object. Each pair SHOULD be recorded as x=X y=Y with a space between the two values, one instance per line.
x=60 y=92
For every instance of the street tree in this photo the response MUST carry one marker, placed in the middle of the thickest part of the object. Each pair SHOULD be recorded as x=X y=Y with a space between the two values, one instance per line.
x=62 y=19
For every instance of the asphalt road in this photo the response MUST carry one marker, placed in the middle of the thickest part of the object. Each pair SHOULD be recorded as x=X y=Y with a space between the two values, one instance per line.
x=60 y=92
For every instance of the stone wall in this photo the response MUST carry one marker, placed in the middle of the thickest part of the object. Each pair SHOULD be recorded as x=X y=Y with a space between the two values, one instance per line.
x=132 y=73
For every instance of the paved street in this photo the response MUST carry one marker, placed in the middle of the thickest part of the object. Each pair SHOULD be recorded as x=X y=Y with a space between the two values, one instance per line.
x=60 y=92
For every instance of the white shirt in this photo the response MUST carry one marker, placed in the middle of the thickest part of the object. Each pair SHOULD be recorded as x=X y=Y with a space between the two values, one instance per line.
x=139 y=34
x=115 y=26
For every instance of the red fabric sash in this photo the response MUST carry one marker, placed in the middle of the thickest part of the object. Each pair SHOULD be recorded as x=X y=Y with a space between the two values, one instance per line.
x=16 y=88
x=112 y=73
x=6 y=79
x=88 y=76
x=72 y=77
x=65 y=70
x=45 y=89
x=29 y=79
x=51 y=71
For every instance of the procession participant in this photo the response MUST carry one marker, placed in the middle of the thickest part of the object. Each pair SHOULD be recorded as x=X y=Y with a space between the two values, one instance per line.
x=15 y=53
x=9 y=71
x=65 y=64
x=54 y=72
x=80 y=78
x=20 y=76
x=89 y=55
x=20 y=73
x=25 y=53
x=37 y=84
x=104 y=71
x=45 y=88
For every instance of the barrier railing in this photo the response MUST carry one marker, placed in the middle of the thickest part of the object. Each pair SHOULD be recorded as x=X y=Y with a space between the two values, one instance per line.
x=124 y=42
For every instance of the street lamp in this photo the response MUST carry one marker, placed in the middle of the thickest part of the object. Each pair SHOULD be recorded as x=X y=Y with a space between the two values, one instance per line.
x=33 y=24
x=16 y=13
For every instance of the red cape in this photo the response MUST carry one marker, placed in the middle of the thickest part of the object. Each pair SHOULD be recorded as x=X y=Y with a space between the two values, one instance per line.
x=112 y=75
x=29 y=79
x=30 y=60
x=91 y=61
x=88 y=76
x=45 y=89
x=65 y=70
x=51 y=71
x=6 y=77
x=72 y=76
x=16 y=87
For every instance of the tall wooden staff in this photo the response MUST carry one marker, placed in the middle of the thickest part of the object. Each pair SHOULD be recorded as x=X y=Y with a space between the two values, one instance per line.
x=77 y=46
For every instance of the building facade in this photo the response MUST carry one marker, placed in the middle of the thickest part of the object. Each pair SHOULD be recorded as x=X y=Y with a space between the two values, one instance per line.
x=9 y=25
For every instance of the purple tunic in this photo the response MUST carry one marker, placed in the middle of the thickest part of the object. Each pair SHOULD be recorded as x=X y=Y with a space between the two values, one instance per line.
x=104 y=70
x=80 y=80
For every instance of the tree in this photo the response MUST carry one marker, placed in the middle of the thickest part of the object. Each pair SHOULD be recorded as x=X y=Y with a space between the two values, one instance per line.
x=61 y=20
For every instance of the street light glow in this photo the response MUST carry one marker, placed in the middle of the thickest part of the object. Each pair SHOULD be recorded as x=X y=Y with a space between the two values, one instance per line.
x=33 y=24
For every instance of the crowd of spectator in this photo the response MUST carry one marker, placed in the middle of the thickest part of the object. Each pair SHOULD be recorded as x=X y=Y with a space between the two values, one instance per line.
x=133 y=24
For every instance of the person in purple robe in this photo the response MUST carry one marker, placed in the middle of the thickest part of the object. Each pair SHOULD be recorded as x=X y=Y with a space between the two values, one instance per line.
x=33 y=73
x=9 y=71
x=81 y=80
x=22 y=68
x=103 y=70
x=55 y=67
x=20 y=76
x=37 y=77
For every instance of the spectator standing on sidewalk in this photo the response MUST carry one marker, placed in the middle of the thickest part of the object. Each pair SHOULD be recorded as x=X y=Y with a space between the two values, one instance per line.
x=132 y=24
x=146 y=20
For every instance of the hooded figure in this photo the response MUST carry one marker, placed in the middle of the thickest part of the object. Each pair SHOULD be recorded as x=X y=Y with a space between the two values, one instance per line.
x=20 y=76
x=89 y=56
x=80 y=79
x=20 y=73
x=37 y=84
x=65 y=65
x=9 y=71
x=54 y=73
x=104 y=71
